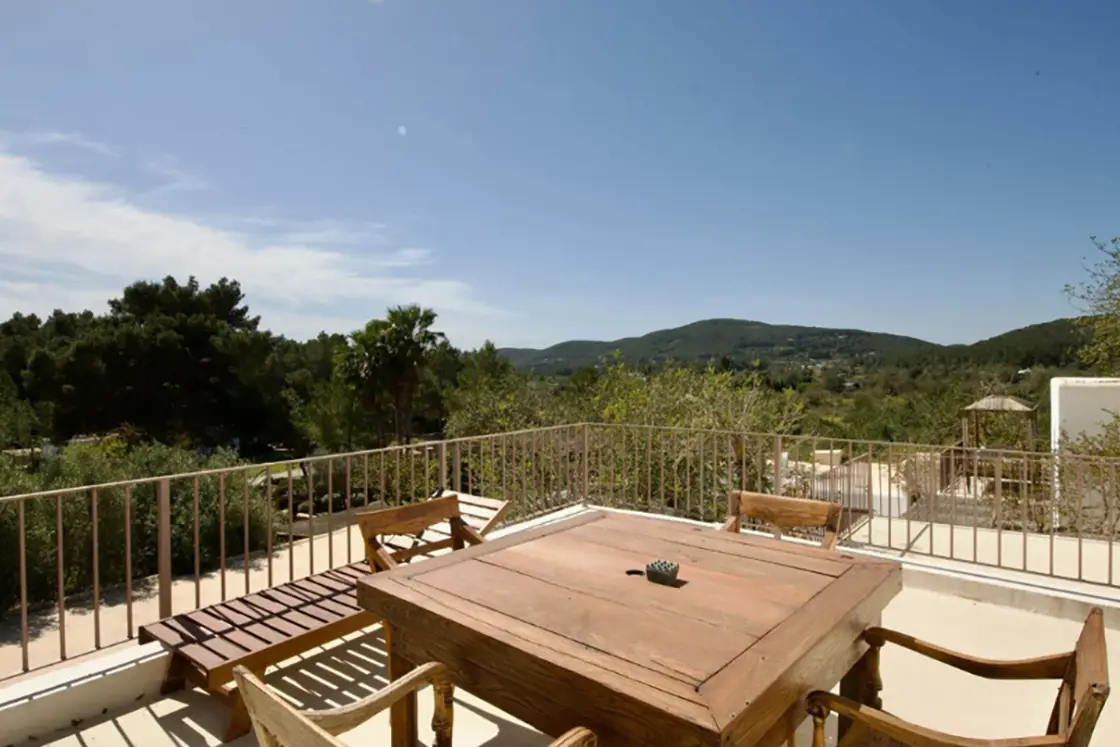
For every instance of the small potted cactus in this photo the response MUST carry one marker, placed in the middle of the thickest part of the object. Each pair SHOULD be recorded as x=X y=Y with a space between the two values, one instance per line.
x=662 y=572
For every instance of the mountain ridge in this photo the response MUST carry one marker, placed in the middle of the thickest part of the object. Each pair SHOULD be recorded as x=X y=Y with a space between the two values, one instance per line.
x=1050 y=342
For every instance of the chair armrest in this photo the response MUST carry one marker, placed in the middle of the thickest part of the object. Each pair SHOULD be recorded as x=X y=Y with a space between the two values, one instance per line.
x=337 y=720
x=1052 y=667
x=577 y=737
x=911 y=735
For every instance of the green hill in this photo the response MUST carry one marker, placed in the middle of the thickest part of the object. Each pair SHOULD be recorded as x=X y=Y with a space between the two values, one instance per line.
x=713 y=339
x=1051 y=343
x=1048 y=344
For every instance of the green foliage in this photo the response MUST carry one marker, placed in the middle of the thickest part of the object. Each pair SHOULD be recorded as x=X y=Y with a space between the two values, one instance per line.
x=18 y=421
x=108 y=462
x=182 y=364
x=1099 y=297
x=663 y=420
x=386 y=362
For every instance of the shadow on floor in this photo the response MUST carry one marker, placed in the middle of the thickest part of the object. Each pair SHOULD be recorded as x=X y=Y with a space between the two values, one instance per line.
x=42 y=617
x=346 y=671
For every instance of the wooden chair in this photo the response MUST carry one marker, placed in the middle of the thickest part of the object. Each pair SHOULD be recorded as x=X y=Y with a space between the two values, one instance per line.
x=384 y=530
x=783 y=513
x=277 y=724
x=1081 y=696
x=266 y=627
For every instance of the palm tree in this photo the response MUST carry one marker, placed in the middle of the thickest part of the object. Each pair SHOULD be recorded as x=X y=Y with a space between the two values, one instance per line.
x=385 y=361
x=408 y=343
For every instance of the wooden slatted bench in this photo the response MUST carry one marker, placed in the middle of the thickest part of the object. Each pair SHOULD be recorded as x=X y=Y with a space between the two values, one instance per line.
x=264 y=628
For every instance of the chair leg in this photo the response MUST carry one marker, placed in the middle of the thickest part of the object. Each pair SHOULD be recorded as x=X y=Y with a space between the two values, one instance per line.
x=863 y=685
x=239 y=722
x=818 y=728
x=443 y=720
x=175 y=678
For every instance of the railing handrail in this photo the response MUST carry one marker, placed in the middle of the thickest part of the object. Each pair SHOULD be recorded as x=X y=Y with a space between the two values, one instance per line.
x=285 y=463
x=903 y=446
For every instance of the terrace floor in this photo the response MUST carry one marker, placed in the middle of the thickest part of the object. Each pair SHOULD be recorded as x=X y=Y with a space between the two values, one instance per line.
x=915 y=689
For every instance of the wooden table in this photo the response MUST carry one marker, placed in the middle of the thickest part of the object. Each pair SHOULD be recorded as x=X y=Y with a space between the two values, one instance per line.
x=548 y=625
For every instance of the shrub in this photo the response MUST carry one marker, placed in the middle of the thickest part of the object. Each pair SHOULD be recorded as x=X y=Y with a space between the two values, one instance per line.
x=107 y=462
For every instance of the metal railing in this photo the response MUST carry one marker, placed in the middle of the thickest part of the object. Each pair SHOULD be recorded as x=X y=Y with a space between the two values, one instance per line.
x=82 y=568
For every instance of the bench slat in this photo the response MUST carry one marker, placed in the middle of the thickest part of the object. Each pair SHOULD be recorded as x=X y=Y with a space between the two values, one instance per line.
x=305 y=610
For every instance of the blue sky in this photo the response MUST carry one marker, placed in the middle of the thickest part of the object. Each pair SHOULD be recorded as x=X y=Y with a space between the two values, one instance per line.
x=545 y=170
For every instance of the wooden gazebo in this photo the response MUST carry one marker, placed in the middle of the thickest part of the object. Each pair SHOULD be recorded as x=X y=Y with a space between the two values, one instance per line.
x=970 y=417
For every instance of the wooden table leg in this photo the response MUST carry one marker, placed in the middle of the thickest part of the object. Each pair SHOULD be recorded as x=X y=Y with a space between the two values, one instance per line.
x=862 y=684
x=402 y=714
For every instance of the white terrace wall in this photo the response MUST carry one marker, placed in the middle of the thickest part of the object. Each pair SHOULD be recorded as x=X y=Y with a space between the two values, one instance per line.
x=1081 y=406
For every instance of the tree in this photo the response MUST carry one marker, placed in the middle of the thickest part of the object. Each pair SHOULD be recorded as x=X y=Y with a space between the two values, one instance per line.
x=407 y=341
x=1099 y=298
x=361 y=366
x=385 y=363
x=18 y=422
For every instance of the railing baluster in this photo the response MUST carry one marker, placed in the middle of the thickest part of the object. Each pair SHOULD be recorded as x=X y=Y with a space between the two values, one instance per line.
x=245 y=527
x=309 y=477
x=128 y=557
x=398 y=499
x=365 y=480
x=537 y=502
x=291 y=527
x=411 y=452
x=163 y=545
x=952 y=485
x=349 y=519
x=25 y=650
x=1080 y=515
x=427 y=472
x=222 y=531
x=890 y=500
x=269 y=526
x=998 y=464
x=94 y=530
x=505 y=493
x=1111 y=516
x=330 y=513
x=197 y=543
x=61 y=588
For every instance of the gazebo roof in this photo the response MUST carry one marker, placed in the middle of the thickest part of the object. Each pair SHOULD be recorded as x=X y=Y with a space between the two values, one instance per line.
x=999 y=403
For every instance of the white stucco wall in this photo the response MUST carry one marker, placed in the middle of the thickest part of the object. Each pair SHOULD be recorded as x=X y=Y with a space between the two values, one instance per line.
x=1081 y=405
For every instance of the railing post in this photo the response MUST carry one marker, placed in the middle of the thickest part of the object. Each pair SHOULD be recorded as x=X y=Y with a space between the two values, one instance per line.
x=457 y=474
x=163 y=508
x=442 y=465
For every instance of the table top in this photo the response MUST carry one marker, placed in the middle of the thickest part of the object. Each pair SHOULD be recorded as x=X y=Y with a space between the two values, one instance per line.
x=752 y=624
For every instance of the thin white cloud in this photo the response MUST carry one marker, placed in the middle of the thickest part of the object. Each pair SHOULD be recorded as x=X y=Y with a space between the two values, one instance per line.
x=72 y=243
x=172 y=176
x=324 y=232
x=41 y=138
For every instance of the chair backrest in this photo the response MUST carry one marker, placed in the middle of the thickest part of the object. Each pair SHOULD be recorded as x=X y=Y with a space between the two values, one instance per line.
x=484 y=514
x=276 y=723
x=1085 y=687
x=783 y=512
x=396 y=535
